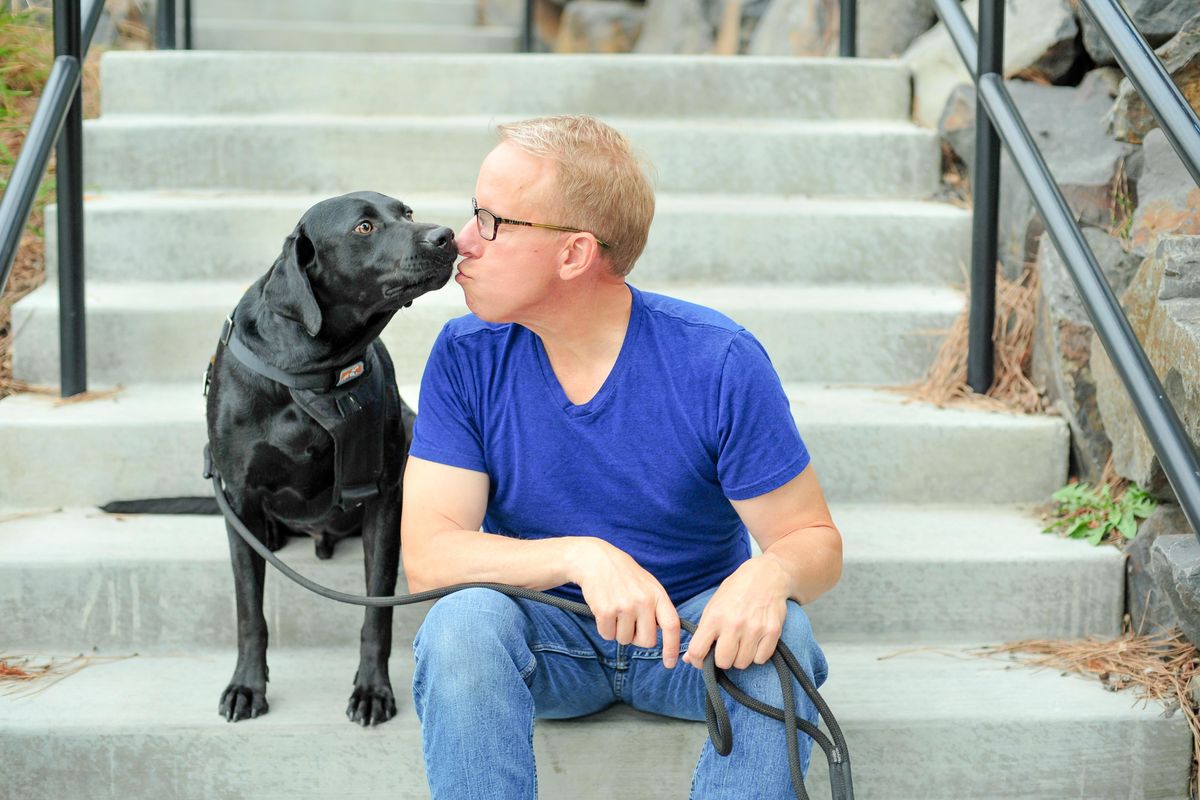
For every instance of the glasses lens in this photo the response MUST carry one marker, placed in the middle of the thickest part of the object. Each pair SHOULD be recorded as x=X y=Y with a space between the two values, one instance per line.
x=487 y=223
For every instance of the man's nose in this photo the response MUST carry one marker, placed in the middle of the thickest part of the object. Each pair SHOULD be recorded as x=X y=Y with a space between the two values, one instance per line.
x=468 y=238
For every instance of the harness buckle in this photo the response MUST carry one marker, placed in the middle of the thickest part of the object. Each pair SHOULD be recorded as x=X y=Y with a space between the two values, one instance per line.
x=227 y=330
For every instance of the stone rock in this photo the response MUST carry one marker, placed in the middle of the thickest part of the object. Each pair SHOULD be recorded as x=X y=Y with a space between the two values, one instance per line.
x=811 y=27
x=679 y=27
x=1063 y=346
x=1065 y=123
x=1157 y=20
x=547 y=15
x=797 y=28
x=1175 y=567
x=599 y=26
x=1150 y=612
x=1129 y=119
x=1168 y=197
x=1169 y=331
x=1039 y=39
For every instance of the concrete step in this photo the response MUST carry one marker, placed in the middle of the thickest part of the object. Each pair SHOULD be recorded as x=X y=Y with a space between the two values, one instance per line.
x=695 y=238
x=934 y=725
x=80 y=580
x=349 y=37
x=419 y=12
x=360 y=84
x=143 y=332
x=329 y=155
x=868 y=446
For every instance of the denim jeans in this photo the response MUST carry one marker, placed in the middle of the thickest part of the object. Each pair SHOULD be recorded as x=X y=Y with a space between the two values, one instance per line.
x=488 y=664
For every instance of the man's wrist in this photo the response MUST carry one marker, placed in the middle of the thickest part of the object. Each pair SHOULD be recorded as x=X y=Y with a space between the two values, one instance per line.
x=577 y=553
x=778 y=568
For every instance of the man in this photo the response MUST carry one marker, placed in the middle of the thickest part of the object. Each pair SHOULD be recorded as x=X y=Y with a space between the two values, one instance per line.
x=615 y=446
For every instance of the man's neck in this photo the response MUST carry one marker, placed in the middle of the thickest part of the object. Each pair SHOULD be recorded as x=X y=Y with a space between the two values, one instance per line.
x=584 y=336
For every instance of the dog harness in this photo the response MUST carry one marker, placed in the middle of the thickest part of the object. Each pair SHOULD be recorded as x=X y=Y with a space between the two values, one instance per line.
x=349 y=403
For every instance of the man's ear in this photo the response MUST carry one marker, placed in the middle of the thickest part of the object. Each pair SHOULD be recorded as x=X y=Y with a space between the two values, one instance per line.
x=287 y=291
x=578 y=256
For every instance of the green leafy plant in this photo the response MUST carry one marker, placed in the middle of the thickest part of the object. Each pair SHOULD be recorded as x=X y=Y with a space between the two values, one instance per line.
x=1088 y=513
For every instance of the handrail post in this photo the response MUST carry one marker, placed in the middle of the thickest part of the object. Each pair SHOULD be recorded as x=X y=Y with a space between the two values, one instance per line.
x=985 y=188
x=187 y=24
x=69 y=197
x=848 y=26
x=164 y=25
x=527 y=35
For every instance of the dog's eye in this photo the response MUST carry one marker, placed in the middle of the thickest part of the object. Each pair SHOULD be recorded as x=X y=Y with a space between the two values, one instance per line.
x=364 y=227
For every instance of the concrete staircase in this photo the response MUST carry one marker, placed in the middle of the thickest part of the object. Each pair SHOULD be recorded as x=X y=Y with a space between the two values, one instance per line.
x=792 y=196
x=383 y=26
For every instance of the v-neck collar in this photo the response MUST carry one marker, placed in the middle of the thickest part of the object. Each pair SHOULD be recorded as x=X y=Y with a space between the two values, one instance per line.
x=608 y=388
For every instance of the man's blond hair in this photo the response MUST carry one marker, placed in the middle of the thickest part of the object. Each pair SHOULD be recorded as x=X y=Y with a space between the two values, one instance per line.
x=600 y=185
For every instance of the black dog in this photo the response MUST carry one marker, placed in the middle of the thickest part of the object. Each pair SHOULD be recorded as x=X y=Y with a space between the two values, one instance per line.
x=305 y=425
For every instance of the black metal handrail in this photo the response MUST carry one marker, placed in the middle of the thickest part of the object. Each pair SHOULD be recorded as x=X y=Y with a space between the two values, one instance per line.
x=57 y=121
x=997 y=119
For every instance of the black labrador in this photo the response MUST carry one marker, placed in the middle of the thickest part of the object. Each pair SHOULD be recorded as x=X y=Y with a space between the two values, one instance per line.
x=350 y=264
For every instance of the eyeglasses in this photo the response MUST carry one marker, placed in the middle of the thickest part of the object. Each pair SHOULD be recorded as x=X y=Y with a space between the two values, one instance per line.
x=489 y=223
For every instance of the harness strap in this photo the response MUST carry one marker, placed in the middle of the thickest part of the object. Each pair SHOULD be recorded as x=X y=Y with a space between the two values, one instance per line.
x=349 y=403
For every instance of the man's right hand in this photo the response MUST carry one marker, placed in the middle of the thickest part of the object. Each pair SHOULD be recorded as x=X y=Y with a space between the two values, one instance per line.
x=629 y=603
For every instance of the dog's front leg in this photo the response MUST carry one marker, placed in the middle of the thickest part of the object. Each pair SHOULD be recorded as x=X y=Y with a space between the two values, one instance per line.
x=246 y=695
x=372 y=701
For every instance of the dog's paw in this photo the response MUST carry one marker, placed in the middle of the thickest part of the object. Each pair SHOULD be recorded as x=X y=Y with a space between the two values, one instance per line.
x=371 y=705
x=242 y=702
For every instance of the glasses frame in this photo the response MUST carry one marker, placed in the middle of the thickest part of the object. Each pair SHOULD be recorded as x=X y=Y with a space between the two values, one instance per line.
x=498 y=219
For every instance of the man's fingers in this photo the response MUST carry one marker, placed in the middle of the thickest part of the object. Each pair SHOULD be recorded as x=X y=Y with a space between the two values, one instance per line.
x=727 y=650
x=606 y=625
x=626 y=627
x=668 y=620
x=698 y=648
x=647 y=628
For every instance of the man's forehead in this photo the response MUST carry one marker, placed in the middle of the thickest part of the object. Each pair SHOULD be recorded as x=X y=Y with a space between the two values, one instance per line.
x=511 y=177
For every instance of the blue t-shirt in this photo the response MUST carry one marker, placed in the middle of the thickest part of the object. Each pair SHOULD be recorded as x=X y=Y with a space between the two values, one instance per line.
x=691 y=416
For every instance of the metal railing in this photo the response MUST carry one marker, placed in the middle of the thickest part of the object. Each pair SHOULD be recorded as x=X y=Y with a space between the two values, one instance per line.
x=57 y=122
x=997 y=119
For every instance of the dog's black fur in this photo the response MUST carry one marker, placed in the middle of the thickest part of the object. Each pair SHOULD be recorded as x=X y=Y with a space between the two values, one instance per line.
x=350 y=264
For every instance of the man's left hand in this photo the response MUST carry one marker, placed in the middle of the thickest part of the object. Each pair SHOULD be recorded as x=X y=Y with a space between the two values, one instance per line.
x=744 y=617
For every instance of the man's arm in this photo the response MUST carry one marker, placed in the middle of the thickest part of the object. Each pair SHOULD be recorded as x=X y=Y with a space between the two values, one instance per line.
x=442 y=545
x=441 y=542
x=802 y=559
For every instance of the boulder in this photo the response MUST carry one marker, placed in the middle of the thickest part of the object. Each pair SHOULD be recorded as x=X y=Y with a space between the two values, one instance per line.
x=1039 y=39
x=1063 y=346
x=599 y=26
x=1130 y=119
x=811 y=27
x=675 y=26
x=1162 y=304
x=547 y=15
x=1066 y=124
x=1150 y=612
x=1157 y=20
x=1175 y=567
x=1168 y=197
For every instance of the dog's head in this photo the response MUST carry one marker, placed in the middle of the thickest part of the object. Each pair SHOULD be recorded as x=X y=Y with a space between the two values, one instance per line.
x=354 y=258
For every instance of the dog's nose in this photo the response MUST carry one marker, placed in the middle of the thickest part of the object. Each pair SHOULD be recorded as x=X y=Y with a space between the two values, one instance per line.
x=442 y=239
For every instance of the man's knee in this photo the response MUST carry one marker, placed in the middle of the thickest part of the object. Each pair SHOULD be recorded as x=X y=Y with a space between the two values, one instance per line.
x=471 y=631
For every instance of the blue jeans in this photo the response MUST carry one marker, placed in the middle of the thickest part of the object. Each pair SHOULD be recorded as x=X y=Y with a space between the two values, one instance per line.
x=488 y=664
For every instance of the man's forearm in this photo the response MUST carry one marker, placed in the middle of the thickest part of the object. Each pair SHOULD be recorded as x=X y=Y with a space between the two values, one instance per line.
x=460 y=556
x=811 y=559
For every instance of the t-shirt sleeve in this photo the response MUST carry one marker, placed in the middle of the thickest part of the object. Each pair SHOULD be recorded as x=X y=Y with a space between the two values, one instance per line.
x=447 y=429
x=758 y=446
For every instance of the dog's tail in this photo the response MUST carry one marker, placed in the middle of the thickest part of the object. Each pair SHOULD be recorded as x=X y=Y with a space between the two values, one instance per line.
x=164 y=505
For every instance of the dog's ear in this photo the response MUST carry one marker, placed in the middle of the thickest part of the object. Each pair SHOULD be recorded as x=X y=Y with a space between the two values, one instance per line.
x=287 y=291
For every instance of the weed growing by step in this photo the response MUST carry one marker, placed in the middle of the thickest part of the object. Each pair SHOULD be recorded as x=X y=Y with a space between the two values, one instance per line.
x=1094 y=514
